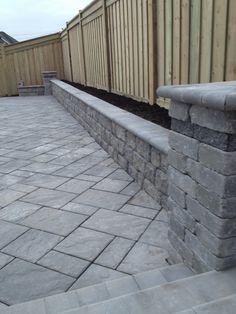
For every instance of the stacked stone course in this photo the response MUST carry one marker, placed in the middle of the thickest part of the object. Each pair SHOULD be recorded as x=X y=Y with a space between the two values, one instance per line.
x=124 y=136
x=202 y=174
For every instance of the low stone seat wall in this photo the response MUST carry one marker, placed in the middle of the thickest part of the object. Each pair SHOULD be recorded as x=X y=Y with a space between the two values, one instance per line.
x=139 y=146
x=34 y=90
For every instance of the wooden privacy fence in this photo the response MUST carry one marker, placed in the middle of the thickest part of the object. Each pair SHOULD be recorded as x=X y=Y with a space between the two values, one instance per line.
x=26 y=60
x=133 y=46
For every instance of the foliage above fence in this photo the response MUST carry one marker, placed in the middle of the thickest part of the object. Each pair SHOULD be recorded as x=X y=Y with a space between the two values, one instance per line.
x=26 y=60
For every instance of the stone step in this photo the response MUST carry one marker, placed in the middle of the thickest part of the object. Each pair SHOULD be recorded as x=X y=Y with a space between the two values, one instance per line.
x=222 y=306
x=101 y=292
x=169 y=298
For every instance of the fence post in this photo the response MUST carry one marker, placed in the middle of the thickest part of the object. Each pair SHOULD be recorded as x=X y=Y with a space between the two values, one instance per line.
x=69 y=48
x=82 y=45
x=106 y=46
x=152 y=34
x=5 y=84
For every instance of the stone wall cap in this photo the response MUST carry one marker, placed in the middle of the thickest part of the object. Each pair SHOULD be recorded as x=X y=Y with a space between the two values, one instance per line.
x=218 y=95
x=48 y=72
x=149 y=132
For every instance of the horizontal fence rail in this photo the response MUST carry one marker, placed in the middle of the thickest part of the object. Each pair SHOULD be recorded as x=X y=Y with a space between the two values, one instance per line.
x=26 y=60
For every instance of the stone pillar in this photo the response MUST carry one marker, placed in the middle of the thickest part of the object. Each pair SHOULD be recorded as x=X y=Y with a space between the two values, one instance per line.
x=47 y=77
x=202 y=174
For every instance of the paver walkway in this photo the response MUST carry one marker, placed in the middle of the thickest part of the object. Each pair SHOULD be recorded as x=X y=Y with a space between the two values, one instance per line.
x=69 y=215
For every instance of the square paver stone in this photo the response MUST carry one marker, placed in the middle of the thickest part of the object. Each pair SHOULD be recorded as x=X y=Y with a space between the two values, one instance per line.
x=80 y=208
x=102 y=199
x=75 y=186
x=114 y=252
x=9 y=232
x=5 y=259
x=139 y=211
x=9 y=196
x=50 y=198
x=143 y=257
x=54 y=221
x=117 y=223
x=32 y=245
x=45 y=181
x=22 y=281
x=84 y=243
x=145 y=200
x=157 y=234
x=17 y=211
x=63 y=263
x=96 y=274
x=111 y=185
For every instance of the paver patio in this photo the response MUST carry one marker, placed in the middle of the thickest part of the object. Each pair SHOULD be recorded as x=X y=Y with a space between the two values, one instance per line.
x=69 y=215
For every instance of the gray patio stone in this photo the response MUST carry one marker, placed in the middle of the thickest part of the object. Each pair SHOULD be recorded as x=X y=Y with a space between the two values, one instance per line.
x=118 y=224
x=139 y=211
x=13 y=165
x=2 y=306
x=88 y=178
x=23 y=188
x=44 y=158
x=80 y=209
x=152 y=257
x=20 y=274
x=68 y=265
x=32 y=245
x=96 y=274
x=17 y=211
x=120 y=174
x=103 y=199
x=131 y=189
x=45 y=181
x=41 y=167
x=99 y=171
x=156 y=234
x=51 y=198
x=163 y=216
x=143 y=199
x=9 y=232
x=74 y=244
x=5 y=259
x=22 y=173
x=111 y=185
x=54 y=221
x=9 y=196
x=8 y=179
x=75 y=186
x=114 y=253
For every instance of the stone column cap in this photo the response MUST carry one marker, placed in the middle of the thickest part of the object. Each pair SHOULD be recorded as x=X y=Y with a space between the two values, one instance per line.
x=218 y=95
x=49 y=72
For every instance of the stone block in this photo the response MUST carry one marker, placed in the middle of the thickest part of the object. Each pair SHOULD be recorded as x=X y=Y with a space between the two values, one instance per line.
x=155 y=157
x=183 y=127
x=224 y=186
x=164 y=162
x=177 y=195
x=120 y=132
x=177 y=227
x=184 y=145
x=211 y=137
x=213 y=119
x=128 y=154
x=219 y=247
x=131 y=140
x=222 y=228
x=180 y=246
x=182 y=215
x=122 y=162
x=182 y=181
x=217 y=263
x=143 y=148
x=138 y=162
x=179 y=110
x=217 y=160
x=177 y=160
x=152 y=190
x=161 y=181
x=150 y=172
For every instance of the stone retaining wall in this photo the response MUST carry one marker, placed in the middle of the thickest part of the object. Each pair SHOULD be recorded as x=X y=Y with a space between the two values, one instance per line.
x=139 y=146
x=34 y=90
x=202 y=174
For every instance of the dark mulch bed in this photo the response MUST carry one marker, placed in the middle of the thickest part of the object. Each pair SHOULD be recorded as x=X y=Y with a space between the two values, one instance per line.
x=154 y=113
